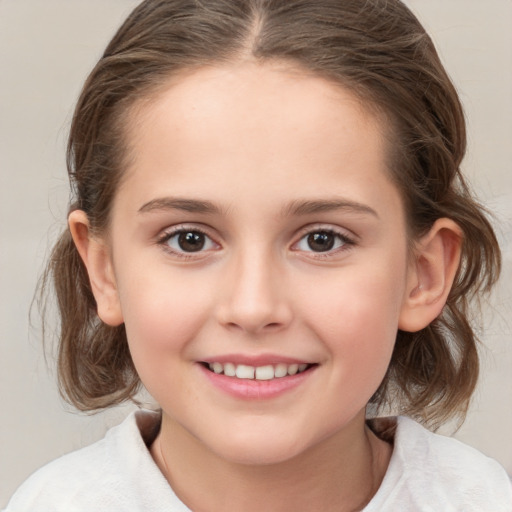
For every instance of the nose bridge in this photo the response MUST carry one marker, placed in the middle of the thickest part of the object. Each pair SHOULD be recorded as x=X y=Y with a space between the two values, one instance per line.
x=255 y=297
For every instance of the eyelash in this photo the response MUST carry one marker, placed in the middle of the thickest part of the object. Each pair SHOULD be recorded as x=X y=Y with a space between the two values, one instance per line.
x=168 y=235
x=345 y=242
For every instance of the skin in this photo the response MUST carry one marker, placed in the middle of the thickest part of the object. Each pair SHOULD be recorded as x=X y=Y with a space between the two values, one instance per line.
x=263 y=147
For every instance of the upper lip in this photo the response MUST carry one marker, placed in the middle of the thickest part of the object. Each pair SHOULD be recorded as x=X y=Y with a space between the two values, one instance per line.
x=255 y=360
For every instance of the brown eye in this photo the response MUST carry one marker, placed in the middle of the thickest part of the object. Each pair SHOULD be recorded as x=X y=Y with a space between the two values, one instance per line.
x=321 y=242
x=191 y=241
x=188 y=241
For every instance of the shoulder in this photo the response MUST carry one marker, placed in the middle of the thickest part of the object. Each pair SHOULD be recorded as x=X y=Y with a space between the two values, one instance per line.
x=428 y=471
x=106 y=475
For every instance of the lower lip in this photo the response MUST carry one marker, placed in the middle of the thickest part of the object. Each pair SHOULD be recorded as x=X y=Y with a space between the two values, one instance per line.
x=252 y=389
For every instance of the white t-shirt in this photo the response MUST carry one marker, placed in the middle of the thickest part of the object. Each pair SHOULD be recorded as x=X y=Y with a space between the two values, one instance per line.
x=427 y=473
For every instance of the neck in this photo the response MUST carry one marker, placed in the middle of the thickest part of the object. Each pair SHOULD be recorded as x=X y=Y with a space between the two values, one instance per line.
x=342 y=473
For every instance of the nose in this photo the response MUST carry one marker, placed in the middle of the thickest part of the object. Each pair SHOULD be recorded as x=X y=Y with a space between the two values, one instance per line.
x=255 y=296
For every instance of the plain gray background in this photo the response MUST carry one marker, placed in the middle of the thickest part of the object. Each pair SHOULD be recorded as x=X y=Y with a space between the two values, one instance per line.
x=47 y=47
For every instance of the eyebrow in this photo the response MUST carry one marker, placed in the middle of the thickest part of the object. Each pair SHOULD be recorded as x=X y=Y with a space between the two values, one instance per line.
x=186 y=205
x=295 y=208
x=318 y=206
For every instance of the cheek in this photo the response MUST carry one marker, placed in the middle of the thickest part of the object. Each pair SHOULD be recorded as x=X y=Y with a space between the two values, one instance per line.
x=161 y=321
x=357 y=302
x=356 y=315
x=159 y=329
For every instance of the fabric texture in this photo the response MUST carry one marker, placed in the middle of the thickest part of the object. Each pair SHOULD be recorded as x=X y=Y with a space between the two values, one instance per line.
x=427 y=473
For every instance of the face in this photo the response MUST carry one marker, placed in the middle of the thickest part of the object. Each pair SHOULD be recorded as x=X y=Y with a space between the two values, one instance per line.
x=260 y=259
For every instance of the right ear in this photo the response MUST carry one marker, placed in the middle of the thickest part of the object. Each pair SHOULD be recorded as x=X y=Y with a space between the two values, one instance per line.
x=96 y=256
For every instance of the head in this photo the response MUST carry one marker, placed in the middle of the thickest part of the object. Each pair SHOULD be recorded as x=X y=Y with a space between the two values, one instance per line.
x=375 y=50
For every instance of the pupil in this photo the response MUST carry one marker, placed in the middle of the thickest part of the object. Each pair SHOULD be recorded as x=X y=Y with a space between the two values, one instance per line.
x=191 y=241
x=321 y=242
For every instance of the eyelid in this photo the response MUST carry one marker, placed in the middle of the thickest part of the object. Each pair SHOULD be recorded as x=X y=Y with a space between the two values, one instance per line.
x=348 y=237
x=330 y=228
x=165 y=235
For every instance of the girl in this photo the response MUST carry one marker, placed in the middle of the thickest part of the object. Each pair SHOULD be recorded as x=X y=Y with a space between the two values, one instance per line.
x=270 y=232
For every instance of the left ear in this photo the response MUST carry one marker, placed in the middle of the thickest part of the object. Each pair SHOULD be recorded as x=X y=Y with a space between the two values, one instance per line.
x=431 y=274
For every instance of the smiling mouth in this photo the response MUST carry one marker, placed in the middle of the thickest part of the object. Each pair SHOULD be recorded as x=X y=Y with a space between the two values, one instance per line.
x=267 y=372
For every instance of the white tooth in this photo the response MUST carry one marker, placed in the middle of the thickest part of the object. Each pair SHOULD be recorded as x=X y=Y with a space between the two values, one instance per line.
x=217 y=367
x=264 y=372
x=211 y=366
x=302 y=367
x=293 y=369
x=245 y=372
x=281 y=370
x=229 y=369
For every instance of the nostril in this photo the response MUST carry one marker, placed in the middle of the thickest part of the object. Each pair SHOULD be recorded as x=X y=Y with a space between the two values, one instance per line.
x=246 y=326
x=255 y=315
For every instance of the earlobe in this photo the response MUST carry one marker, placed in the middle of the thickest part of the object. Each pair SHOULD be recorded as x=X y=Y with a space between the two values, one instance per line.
x=431 y=275
x=96 y=257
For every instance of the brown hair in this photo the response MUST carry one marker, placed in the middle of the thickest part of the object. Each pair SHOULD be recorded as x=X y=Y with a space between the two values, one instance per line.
x=377 y=49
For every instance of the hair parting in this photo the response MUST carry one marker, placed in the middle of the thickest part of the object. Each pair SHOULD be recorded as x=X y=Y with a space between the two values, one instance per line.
x=375 y=48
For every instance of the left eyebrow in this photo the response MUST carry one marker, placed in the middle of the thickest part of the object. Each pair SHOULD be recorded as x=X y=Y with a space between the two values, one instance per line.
x=176 y=203
x=318 y=206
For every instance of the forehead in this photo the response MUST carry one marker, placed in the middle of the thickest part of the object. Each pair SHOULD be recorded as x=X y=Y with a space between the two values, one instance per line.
x=271 y=125
x=241 y=99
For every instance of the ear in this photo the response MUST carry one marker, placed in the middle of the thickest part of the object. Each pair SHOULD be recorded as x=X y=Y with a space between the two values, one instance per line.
x=431 y=274
x=96 y=256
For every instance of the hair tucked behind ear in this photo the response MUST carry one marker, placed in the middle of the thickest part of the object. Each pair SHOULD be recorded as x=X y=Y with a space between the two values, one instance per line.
x=433 y=372
x=94 y=365
x=375 y=48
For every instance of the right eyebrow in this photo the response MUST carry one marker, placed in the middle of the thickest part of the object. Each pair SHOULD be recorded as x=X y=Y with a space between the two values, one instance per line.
x=176 y=203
